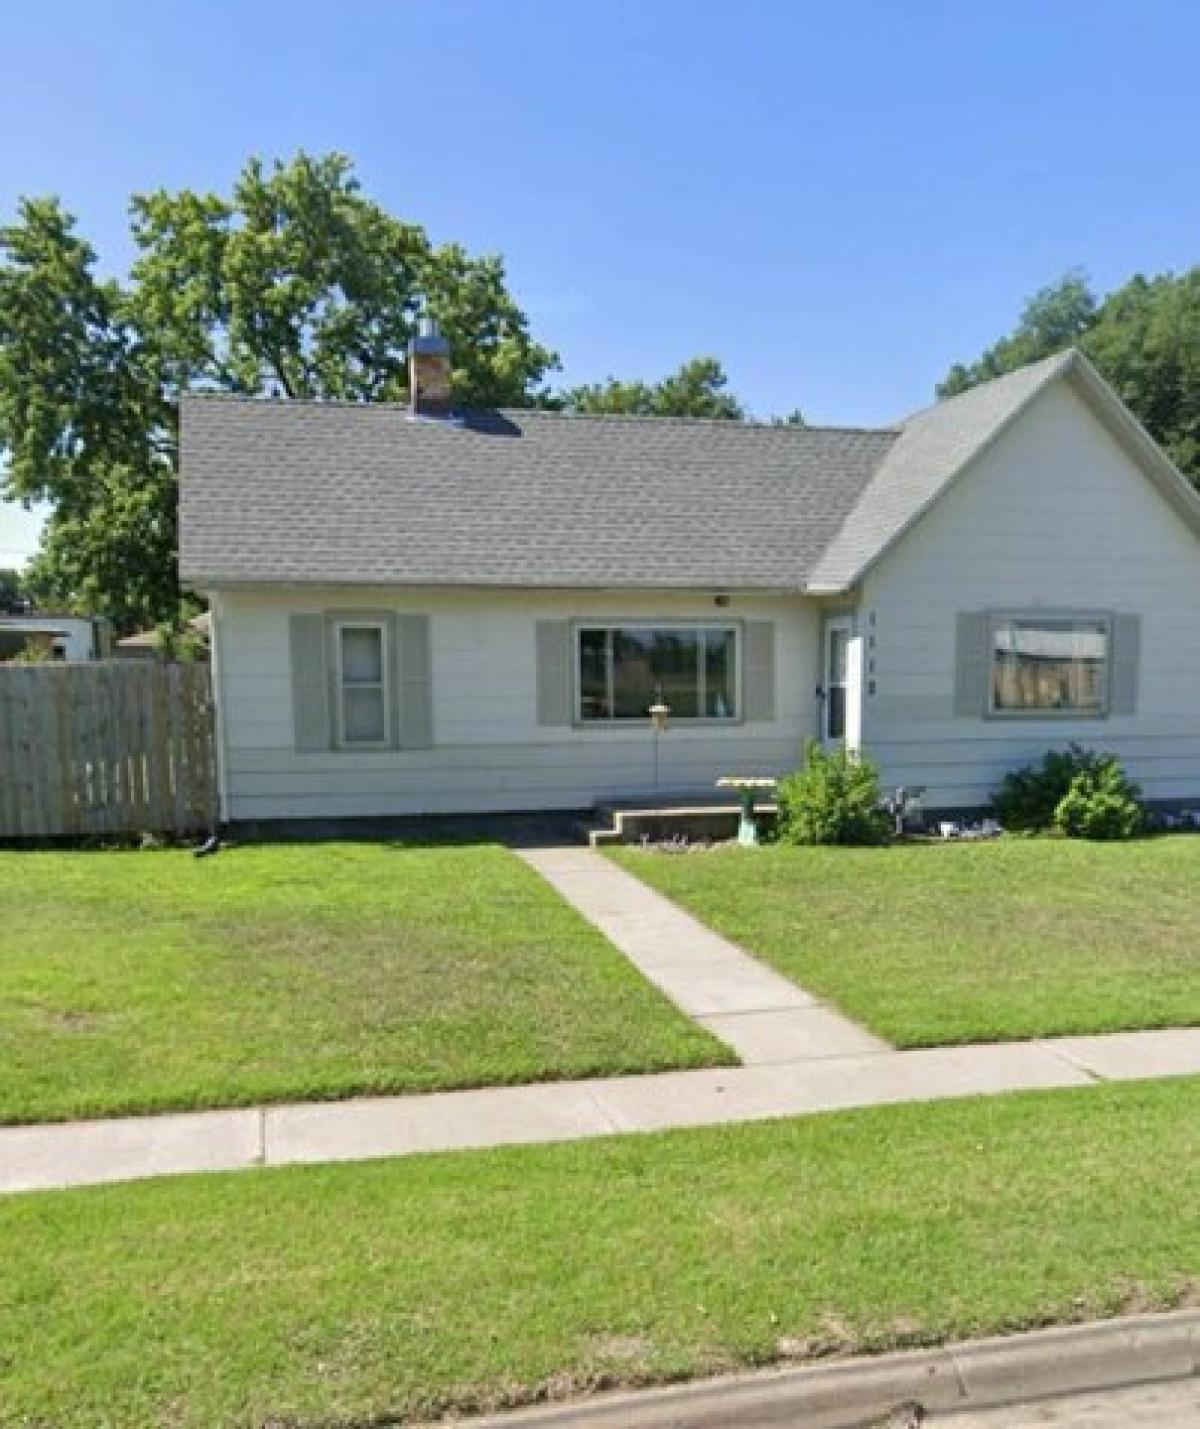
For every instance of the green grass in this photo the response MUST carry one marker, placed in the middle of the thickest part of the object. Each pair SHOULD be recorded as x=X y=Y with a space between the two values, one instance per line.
x=944 y=943
x=134 y=982
x=369 y=1293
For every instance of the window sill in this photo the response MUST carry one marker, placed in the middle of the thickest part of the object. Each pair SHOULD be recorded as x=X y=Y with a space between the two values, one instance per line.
x=630 y=726
x=1056 y=716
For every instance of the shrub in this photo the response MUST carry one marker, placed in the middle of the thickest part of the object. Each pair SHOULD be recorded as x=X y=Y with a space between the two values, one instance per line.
x=1075 y=791
x=834 y=798
x=1100 y=804
x=1027 y=798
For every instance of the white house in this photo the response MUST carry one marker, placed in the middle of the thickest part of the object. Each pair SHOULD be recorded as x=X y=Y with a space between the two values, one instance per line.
x=59 y=637
x=416 y=612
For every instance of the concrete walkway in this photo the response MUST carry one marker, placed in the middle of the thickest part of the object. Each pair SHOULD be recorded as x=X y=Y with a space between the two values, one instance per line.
x=762 y=1015
x=84 y=1153
x=798 y=1056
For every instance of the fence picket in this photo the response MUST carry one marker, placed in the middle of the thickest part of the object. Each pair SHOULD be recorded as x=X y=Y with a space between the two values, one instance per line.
x=110 y=747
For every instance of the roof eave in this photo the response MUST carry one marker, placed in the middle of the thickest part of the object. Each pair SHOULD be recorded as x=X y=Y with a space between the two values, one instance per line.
x=1138 y=442
x=204 y=582
x=826 y=588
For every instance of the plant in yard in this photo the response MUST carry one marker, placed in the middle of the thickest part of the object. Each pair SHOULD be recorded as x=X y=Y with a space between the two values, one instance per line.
x=1100 y=804
x=177 y=642
x=834 y=798
x=1027 y=798
x=1072 y=791
x=34 y=652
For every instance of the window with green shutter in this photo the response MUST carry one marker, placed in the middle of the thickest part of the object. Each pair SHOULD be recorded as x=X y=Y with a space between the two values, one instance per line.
x=361 y=681
x=1046 y=664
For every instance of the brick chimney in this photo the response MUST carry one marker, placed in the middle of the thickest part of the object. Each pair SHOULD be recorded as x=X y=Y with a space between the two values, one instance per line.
x=429 y=372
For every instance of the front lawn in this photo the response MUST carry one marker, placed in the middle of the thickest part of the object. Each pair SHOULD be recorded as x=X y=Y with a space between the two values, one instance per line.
x=373 y=1293
x=963 y=942
x=146 y=981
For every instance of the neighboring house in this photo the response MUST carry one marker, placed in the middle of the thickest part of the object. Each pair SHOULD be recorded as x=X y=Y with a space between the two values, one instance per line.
x=148 y=644
x=56 y=637
x=417 y=614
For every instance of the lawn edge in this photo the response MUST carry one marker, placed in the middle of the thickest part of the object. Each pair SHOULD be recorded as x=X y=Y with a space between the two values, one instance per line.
x=258 y=1101
x=899 y=1039
x=984 y=1373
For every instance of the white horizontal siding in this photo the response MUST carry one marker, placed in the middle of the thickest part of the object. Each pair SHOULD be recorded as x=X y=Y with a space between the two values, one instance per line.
x=1055 y=515
x=489 y=752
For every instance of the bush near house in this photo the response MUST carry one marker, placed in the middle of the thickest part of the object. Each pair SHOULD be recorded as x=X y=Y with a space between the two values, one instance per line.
x=834 y=798
x=1100 y=804
x=1074 y=791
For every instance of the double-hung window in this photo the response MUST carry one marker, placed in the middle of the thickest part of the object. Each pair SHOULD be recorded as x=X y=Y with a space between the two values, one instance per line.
x=1050 y=664
x=361 y=676
x=621 y=670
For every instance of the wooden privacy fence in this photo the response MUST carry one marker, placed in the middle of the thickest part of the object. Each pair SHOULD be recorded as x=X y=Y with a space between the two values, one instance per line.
x=114 y=747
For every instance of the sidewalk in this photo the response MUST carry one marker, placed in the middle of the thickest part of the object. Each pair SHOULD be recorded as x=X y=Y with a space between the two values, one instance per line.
x=85 y=1153
x=798 y=1056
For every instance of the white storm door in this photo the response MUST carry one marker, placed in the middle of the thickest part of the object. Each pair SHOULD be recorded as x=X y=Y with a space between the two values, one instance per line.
x=838 y=720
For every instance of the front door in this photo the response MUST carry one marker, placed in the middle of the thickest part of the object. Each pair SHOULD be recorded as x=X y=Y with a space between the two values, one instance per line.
x=836 y=683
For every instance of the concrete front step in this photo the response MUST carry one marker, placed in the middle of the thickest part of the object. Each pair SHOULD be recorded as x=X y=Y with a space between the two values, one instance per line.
x=696 y=822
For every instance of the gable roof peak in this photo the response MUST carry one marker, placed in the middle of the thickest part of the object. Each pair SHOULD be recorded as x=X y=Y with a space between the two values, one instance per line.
x=1026 y=380
x=938 y=443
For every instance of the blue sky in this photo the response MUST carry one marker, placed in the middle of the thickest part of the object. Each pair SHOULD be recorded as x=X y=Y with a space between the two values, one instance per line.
x=836 y=199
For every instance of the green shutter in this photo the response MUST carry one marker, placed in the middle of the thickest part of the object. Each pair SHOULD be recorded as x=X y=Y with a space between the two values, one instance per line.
x=412 y=682
x=553 y=641
x=1124 y=659
x=972 y=665
x=310 y=684
x=759 y=678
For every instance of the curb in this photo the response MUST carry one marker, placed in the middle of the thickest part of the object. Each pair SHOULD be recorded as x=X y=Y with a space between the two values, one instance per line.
x=875 y=1393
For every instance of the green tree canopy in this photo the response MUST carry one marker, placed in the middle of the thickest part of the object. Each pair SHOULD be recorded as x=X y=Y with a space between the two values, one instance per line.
x=698 y=389
x=11 y=589
x=1054 y=318
x=1146 y=342
x=296 y=284
x=1144 y=338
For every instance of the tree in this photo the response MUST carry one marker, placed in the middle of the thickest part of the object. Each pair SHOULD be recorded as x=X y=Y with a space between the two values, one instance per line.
x=296 y=285
x=1146 y=342
x=11 y=592
x=301 y=286
x=696 y=390
x=1054 y=318
x=1144 y=339
x=82 y=423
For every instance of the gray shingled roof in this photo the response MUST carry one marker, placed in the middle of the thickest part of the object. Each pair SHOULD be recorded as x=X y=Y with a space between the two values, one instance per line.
x=323 y=492
x=933 y=447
